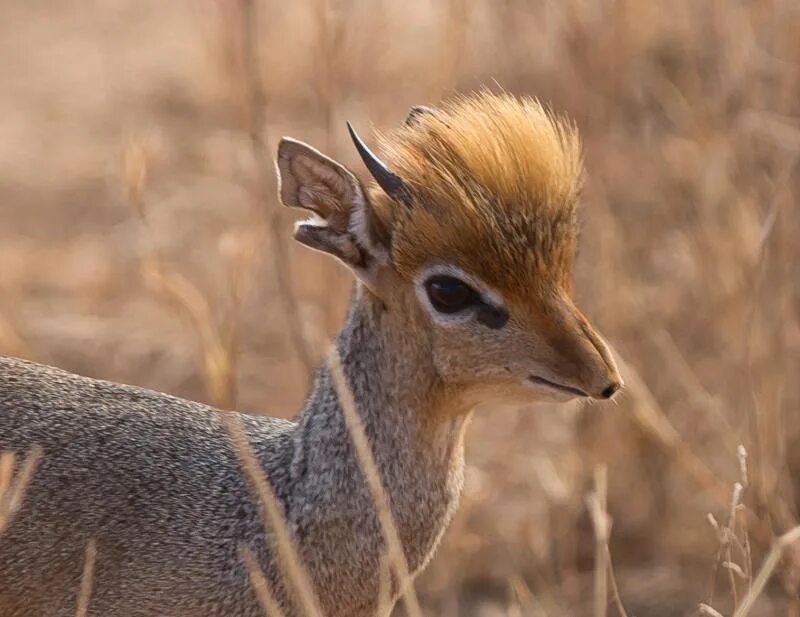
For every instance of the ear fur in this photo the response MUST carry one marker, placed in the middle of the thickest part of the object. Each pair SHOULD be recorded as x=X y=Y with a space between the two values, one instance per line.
x=308 y=179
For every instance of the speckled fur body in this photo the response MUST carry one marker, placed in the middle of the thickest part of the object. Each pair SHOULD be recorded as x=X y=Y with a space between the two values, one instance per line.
x=154 y=481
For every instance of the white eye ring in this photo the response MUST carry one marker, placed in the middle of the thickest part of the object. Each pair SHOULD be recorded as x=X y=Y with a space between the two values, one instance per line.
x=485 y=297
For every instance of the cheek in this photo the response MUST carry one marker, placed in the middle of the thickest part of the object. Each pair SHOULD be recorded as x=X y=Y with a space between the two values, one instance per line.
x=525 y=347
x=468 y=354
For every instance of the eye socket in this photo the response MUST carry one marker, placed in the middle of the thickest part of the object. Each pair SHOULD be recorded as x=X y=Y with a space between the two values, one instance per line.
x=450 y=295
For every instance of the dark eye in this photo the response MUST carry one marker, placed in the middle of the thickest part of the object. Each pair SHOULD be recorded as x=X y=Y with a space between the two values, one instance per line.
x=449 y=295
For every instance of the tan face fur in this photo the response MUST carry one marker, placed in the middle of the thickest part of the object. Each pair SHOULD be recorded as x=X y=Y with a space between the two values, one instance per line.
x=492 y=186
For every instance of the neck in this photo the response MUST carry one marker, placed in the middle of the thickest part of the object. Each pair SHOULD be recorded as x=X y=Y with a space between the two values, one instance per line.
x=416 y=437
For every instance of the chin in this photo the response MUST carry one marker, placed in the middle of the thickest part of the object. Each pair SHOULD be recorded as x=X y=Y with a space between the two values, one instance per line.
x=550 y=396
x=519 y=393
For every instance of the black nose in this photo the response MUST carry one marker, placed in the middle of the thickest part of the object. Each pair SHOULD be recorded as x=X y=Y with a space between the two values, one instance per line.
x=611 y=390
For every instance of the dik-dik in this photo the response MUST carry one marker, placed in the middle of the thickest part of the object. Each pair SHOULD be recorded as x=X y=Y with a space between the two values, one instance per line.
x=462 y=249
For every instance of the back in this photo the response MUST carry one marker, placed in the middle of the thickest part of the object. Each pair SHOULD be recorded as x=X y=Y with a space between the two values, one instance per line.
x=152 y=478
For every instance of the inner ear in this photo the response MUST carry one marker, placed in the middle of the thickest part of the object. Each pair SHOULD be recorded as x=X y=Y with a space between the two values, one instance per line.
x=308 y=179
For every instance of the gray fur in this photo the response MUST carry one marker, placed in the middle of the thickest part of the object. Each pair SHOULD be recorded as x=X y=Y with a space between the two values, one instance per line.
x=155 y=481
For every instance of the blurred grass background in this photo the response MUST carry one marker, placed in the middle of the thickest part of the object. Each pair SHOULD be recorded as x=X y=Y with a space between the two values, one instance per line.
x=690 y=112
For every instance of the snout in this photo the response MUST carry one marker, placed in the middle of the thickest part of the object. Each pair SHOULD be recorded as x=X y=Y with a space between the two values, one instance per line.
x=582 y=362
x=603 y=375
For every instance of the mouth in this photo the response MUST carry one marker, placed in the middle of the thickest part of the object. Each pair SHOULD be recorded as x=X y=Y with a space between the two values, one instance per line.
x=541 y=381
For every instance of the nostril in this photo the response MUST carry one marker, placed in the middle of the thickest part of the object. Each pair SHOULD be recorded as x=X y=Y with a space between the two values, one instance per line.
x=611 y=390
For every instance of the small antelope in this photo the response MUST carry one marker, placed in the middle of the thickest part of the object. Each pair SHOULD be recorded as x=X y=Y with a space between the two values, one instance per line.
x=462 y=250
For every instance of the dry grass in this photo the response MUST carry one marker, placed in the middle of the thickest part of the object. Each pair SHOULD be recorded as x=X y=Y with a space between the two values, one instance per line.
x=87 y=578
x=260 y=585
x=690 y=113
x=267 y=186
x=770 y=563
x=394 y=549
x=603 y=569
x=13 y=485
x=275 y=526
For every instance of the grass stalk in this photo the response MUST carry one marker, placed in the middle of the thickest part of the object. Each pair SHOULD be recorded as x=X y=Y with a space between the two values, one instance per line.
x=767 y=568
x=366 y=460
x=13 y=488
x=601 y=525
x=273 y=519
x=260 y=584
x=256 y=129
x=604 y=578
x=87 y=579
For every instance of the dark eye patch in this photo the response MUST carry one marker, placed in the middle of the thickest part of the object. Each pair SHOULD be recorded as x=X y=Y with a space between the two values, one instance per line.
x=492 y=317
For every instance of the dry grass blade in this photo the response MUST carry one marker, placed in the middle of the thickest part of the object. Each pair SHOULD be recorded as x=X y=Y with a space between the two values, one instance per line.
x=274 y=521
x=526 y=599
x=384 y=589
x=748 y=555
x=256 y=131
x=710 y=611
x=650 y=418
x=612 y=579
x=218 y=347
x=14 y=488
x=24 y=476
x=6 y=478
x=686 y=376
x=603 y=567
x=728 y=540
x=260 y=584
x=7 y=459
x=366 y=460
x=770 y=563
x=87 y=578
x=727 y=536
x=183 y=295
x=601 y=524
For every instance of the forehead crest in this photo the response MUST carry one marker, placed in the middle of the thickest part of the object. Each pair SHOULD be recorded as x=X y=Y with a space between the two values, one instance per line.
x=495 y=180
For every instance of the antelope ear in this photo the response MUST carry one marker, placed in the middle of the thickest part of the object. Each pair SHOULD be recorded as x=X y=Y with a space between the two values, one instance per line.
x=308 y=179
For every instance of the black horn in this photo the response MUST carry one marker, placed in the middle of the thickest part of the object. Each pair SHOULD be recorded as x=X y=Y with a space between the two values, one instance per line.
x=386 y=179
